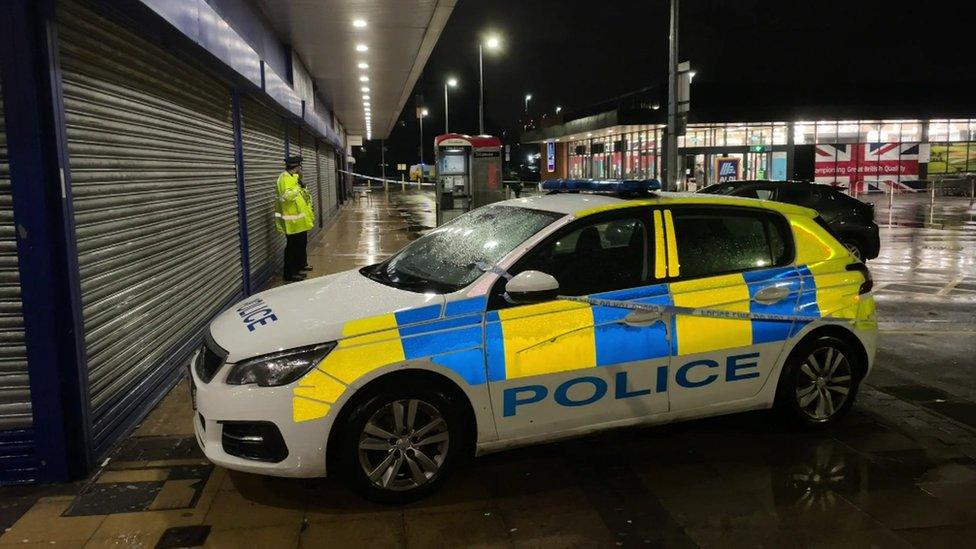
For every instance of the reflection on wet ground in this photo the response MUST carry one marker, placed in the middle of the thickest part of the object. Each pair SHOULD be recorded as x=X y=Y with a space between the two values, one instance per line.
x=926 y=249
x=899 y=472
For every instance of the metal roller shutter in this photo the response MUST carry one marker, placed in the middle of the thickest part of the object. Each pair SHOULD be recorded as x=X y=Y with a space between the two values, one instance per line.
x=311 y=177
x=320 y=206
x=15 y=402
x=333 y=181
x=323 y=154
x=151 y=152
x=263 y=140
x=294 y=140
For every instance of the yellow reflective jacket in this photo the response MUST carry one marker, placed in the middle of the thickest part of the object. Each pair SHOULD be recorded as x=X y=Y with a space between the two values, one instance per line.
x=293 y=206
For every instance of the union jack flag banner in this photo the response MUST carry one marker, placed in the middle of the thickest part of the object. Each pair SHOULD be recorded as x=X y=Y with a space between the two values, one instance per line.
x=866 y=167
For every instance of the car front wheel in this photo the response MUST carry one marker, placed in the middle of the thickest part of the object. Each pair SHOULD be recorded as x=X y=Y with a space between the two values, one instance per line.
x=399 y=443
x=819 y=382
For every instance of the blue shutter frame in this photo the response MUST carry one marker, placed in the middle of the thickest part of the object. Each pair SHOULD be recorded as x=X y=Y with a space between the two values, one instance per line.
x=235 y=97
x=42 y=203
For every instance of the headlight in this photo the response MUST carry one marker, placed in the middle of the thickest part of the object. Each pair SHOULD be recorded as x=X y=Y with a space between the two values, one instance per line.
x=279 y=368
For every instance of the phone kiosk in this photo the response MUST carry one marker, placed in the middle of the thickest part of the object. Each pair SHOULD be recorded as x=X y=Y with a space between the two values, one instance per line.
x=469 y=173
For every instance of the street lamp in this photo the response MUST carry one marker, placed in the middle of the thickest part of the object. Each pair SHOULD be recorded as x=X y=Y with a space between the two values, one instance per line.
x=451 y=82
x=421 y=113
x=528 y=97
x=558 y=108
x=492 y=43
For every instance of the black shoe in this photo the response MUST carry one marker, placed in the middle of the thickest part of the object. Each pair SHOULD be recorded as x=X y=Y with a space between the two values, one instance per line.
x=306 y=268
x=295 y=278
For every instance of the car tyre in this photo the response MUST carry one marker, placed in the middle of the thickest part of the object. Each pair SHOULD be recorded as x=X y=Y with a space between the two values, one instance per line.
x=819 y=383
x=400 y=442
x=856 y=248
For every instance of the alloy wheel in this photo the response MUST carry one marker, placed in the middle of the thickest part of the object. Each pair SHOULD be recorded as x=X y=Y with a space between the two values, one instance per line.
x=403 y=445
x=824 y=383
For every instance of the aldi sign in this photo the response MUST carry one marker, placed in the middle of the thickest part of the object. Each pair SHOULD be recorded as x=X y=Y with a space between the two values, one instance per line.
x=727 y=168
x=550 y=156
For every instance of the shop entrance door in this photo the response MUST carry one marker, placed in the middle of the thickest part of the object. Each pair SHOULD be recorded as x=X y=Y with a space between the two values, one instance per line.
x=758 y=165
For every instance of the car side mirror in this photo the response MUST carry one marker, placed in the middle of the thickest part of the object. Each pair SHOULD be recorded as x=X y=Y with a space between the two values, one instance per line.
x=531 y=287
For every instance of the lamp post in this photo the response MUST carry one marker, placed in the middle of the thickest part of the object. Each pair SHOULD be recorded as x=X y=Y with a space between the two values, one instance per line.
x=671 y=145
x=421 y=113
x=558 y=108
x=451 y=82
x=528 y=97
x=491 y=43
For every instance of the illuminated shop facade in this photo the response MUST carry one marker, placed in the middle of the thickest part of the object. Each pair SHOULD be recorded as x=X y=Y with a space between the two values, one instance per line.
x=864 y=154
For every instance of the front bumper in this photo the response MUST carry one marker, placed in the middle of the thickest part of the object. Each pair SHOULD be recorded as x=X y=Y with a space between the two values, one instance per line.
x=217 y=403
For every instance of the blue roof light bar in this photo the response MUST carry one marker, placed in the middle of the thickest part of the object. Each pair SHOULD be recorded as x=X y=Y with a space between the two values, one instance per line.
x=602 y=186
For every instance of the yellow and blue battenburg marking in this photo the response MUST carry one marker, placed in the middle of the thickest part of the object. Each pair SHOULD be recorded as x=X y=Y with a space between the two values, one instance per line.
x=766 y=331
x=618 y=343
x=453 y=341
x=560 y=336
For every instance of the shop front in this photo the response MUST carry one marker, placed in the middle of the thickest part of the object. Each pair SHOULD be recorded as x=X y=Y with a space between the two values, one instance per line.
x=860 y=155
x=622 y=152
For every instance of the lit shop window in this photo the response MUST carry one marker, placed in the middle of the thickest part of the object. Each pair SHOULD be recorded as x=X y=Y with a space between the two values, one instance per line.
x=939 y=130
x=804 y=133
x=958 y=130
x=826 y=132
x=760 y=135
x=871 y=132
x=735 y=135
x=779 y=133
x=911 y=130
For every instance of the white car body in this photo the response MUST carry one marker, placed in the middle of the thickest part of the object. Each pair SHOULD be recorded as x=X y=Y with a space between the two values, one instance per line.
x=534 y=406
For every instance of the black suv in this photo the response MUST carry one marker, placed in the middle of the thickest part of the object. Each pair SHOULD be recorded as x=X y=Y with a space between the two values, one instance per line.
x=851 y=220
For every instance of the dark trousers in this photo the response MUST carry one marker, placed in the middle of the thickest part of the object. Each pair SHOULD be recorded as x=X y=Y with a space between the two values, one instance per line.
x=295 y=253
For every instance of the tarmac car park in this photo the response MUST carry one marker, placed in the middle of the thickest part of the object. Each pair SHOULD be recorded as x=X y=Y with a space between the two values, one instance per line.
x=600 y=305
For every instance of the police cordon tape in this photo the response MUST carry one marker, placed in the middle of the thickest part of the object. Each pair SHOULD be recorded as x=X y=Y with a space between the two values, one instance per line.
x=381 y=180
x=695 y=311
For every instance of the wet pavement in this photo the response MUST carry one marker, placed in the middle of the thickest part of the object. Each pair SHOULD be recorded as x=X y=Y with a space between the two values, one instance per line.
x=900 y=471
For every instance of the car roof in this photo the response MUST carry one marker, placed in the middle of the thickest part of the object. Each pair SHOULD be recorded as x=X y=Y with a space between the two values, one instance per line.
x=788 y=183
x=582 y=204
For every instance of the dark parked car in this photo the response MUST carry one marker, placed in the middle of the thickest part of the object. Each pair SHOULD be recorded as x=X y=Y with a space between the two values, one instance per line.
x=851 y=220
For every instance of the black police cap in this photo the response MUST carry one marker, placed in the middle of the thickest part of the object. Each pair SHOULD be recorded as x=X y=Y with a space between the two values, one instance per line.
x=295 y=160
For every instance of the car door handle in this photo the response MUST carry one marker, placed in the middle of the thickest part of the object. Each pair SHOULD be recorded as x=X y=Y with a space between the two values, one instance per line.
x=642 y=318
x=771 y=294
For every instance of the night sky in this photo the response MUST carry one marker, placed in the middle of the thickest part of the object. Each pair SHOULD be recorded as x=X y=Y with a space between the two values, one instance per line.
x=574 y=53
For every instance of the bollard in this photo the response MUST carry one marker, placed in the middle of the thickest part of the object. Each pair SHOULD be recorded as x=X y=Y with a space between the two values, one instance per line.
x=403 y=183
x=891 y=196
x=386 y=185
x=932 y=194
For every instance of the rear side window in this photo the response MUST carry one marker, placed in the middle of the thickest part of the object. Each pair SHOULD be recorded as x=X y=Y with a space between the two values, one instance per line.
x=854 y=205
x=755 y=192
x=714 y=241
x=793 y=195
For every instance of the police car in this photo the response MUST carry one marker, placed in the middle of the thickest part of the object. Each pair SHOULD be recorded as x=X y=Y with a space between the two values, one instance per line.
x=602 y=304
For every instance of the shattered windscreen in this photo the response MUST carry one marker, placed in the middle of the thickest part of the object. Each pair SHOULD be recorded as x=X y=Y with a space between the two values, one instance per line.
x=452 y=256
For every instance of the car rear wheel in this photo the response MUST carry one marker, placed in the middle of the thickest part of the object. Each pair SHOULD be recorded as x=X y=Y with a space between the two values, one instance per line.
x=855 y=248
x=399 y=444
x=819 y=382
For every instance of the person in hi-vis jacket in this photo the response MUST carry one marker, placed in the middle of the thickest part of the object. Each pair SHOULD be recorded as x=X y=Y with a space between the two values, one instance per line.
x=294 y=216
